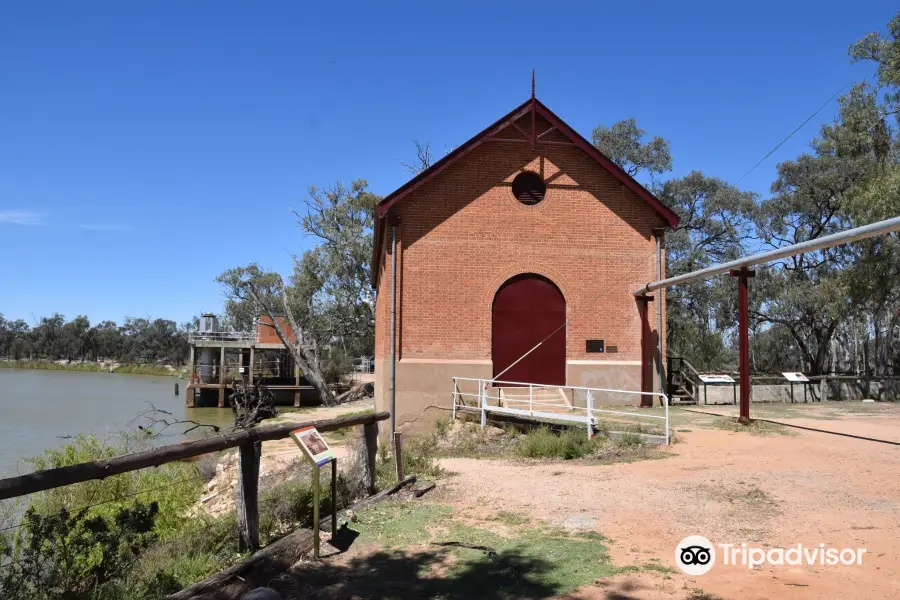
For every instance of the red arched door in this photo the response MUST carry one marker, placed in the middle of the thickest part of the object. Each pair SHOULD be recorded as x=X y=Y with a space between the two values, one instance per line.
x=527 y=309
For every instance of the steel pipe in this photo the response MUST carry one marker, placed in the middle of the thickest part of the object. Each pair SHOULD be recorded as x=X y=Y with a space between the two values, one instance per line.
x=835 y=239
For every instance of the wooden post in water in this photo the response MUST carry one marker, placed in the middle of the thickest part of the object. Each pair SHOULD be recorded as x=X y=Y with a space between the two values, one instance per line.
x=247 y=496
x=189 y=392
x=369 y=447
x=222 y=378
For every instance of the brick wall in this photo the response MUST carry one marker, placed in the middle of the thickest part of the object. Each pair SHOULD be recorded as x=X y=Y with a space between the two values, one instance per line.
x=266 y=333
x=461 y=235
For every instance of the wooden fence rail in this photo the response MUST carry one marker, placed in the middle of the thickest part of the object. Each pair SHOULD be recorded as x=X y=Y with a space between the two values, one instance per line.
x=247 y=441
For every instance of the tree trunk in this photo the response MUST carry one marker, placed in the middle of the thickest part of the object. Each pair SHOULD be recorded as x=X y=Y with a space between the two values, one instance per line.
x=309 y=368
x=878 y=351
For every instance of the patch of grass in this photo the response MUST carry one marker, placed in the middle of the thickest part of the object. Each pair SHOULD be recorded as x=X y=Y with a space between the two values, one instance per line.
x=359 y=413
x=510 y=518
x=93 y=367
x=535 y=558
x=573 y=443
x=49 y=365
x=400 y=524
x=544 y=443
x=468 y=440
x=287 y=411
x=587 y=534
x=442 y=427
x=655 y=566
x=344 y=432
x=420 y=458
x=649 y=566
x=698 y=594
x=747 y=495
x=754 y=427
x=630 y=440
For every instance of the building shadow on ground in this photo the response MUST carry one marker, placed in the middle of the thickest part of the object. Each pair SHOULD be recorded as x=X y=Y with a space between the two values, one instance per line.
x=429 y=572
x=432 y=571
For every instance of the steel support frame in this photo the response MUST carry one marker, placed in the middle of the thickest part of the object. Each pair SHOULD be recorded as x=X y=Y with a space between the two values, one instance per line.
x=743 y=276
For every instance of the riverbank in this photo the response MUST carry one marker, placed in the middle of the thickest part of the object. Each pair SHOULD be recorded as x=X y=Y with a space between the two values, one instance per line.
x=154 y=531
x=96 y=367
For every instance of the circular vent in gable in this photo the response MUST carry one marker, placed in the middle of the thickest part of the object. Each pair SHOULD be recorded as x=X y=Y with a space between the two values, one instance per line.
x=528 y=187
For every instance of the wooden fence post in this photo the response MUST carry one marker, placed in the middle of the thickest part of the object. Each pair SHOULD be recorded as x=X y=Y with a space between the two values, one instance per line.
x=369 y=449
x=398 y=454
x=247 y=496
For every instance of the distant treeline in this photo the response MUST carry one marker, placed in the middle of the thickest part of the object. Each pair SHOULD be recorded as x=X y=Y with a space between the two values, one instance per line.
x=136 y=341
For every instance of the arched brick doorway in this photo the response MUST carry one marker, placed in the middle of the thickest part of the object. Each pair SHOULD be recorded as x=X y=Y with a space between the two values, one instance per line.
x=527 y=308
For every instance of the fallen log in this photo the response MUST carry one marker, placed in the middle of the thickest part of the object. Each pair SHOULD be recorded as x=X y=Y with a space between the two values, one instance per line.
x=423 y=489
x=357 y=392
x=274 y=559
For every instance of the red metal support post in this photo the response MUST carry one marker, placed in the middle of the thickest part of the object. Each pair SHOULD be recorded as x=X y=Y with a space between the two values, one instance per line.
x=646 y=350
x=743 y=275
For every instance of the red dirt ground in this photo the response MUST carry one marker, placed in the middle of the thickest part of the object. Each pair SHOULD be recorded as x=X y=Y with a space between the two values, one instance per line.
x=769 y=491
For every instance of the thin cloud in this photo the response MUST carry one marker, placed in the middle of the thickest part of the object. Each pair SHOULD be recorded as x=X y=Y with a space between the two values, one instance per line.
x=21 y=217
x=106 y=227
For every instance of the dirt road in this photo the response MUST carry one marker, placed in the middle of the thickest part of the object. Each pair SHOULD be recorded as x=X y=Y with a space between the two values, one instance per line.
x=767 y=491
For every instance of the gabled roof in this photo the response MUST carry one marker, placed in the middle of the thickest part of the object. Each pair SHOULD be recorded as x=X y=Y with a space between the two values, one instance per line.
x=536 y=108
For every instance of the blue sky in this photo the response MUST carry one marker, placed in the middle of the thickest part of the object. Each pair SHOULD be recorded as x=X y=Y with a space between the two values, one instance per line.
x=145 y=149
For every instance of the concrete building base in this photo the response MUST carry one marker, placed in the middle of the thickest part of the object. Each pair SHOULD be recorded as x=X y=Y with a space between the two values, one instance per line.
x=425 y=387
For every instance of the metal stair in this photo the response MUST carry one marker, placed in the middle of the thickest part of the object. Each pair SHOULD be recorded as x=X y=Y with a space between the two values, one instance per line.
x=681 y=381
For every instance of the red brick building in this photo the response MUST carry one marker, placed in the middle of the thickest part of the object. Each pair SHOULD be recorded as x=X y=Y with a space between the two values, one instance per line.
x=524 y=232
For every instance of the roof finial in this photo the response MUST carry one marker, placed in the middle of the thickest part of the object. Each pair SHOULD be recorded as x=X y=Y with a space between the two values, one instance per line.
x=532 y=84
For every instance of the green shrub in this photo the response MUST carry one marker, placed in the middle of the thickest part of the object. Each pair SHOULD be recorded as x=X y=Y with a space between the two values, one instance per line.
x=544 y=443
x=420 y=458
x=173 y=486
x=204 y=546
x=90 y=540
x=630 y=440
x=65 y=555
x=442 y=427
x=336 y=366
x=284 y=506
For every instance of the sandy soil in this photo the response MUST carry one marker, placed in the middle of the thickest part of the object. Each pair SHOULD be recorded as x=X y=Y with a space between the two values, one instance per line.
x=879 y=421
x=769 y=491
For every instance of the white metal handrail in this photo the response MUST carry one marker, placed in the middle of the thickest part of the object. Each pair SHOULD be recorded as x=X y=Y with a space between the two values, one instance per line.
x=572 y=413
x=223 y=336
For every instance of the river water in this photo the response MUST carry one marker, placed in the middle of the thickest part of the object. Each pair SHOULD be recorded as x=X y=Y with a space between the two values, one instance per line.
x=39 y=408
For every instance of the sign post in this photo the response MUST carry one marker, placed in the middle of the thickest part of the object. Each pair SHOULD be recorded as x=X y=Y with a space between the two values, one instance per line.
x=797 y=378
x=317 y=452
x=716 y=378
